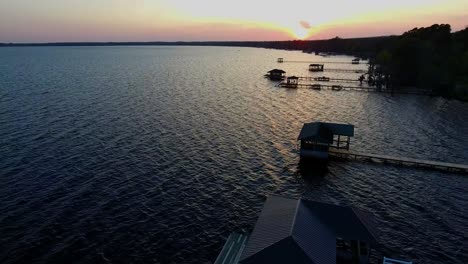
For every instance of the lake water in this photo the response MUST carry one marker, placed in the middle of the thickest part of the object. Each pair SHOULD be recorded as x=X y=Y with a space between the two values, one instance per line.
x=156 y=154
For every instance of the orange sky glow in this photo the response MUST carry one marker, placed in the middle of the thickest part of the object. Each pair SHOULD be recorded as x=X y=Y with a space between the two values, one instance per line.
x=188 y=20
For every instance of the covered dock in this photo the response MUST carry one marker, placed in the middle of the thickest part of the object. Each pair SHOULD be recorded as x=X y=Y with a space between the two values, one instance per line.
x=276 y=74
x=291 y=82
x=315 y=67
x=317 y=138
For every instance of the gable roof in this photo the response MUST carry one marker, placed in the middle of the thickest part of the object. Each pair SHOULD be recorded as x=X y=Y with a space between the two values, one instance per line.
x=324 y=131
x=273 y=225
x=277 y=71
x=358 y=225
x=316 y=131
x=303 y=231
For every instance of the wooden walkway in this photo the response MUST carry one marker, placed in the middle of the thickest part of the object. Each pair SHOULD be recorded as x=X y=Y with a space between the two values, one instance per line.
x=315 y=86
x=324 y=62
x=344 y=70
x=232 y=249
x=444 y=166
x=318 y=79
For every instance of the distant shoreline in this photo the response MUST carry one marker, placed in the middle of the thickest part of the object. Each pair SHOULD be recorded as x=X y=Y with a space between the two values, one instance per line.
x=399 y=60
x=351 y=46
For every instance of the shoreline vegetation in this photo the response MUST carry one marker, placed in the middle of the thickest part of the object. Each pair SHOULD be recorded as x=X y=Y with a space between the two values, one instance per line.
x=430 y=58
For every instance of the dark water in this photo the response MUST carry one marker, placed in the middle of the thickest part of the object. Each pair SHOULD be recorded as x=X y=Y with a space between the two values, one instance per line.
x=155 y=154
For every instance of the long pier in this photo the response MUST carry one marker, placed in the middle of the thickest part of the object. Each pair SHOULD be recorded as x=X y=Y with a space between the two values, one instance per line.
x=344 y=70
x=331 y=87
x=323 y=62
x=316 y=86
x=436 y=165
x=321 y=79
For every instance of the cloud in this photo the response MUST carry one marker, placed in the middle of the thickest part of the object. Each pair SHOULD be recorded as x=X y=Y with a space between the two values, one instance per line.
x=305 y=24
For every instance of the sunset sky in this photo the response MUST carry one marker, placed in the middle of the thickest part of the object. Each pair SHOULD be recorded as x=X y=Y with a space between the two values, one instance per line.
x=196 y=20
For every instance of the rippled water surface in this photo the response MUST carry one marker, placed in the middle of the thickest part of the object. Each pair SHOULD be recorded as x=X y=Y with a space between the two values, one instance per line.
x=155 y=154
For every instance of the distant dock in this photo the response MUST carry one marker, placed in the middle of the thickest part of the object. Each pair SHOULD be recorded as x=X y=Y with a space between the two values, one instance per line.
x=354 y=61
x=435 y=165
x=345 y=70
x=317 y=86
x=337 y=87
x=326 y=79
x=321 y=140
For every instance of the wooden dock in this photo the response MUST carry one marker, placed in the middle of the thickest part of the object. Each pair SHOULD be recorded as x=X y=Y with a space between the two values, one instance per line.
x=344 y=70
x=317 y=86
x=318 y=79
x=437 y=165
x=328 y=62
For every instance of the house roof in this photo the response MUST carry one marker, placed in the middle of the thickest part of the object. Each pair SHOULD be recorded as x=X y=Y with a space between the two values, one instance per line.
x=324 y=131
x=302 y=231
x=277 y=71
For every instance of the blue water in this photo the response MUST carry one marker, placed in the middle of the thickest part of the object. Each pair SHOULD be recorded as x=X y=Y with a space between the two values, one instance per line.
x=156 y=154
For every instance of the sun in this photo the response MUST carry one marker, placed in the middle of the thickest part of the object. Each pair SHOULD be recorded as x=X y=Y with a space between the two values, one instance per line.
x=299 y=29
x=299 y=33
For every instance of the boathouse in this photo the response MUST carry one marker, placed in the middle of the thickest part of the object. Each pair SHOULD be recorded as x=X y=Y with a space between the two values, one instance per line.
x=316 y=138
x=316 y=67
x=355 y=61
x=276 y=74
x=292 y=82
x=305 y=232
x=280 y=60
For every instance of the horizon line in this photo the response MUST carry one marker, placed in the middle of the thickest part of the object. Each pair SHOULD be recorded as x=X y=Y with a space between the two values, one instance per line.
x=179 y=41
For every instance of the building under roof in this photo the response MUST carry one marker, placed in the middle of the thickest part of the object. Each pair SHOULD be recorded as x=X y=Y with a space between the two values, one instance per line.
x=276 y=74
x=325 y=130
x=316 y=67
x=317 y=137
x=276 y=71
x=306 y=232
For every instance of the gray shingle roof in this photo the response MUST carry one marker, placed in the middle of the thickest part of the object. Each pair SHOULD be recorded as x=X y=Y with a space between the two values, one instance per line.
x=325 y=131
x=273 y=225
x=302 y=231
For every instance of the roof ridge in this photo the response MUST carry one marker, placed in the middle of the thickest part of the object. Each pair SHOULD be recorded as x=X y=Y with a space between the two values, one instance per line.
x=269 y=246
x=294 y=219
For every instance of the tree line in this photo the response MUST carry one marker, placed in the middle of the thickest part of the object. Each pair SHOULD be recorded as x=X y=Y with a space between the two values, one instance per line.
x=427 y=58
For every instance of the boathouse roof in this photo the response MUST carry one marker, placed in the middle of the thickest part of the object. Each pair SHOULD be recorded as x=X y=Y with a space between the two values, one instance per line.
x=302 y=231
x=293 y=77
x=277 y=71
x=324 y=132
